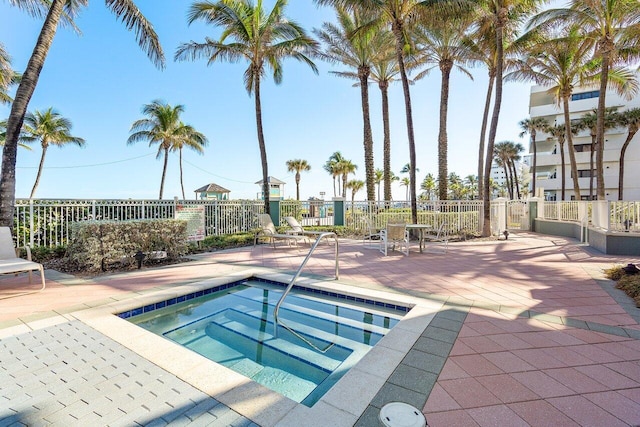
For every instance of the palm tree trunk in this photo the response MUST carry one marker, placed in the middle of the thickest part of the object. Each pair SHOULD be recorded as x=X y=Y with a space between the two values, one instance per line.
x=572 y=151
x=563 y=172
x=386 y=146
x=483 y=130
x=514 y=178
x=40 y=166
x=507 y=180
x=399 y=33
x=442 y=133
x=630 y=136
x=593 y=148
x=486 y=226
x=535 y=159
x=164 y=170
x=298 y=186
x=344 y=185
x=363 y=74
x=19 y=110
x=604 y=77
x=181 y=180
x=261 y=144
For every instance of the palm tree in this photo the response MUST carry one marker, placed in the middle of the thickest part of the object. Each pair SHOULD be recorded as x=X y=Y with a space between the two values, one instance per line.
x=406 y=182
x=514 y=156
x=590 y=121
x=471 y=181
x=532 y=126
x=263 y=40
x=297 y=166
x=614 y=27
x=344 y=168
x=330 y=167
x=399 y=14
x=8 y=77
x=631 y=119
x=498 y=16
x=442 y=43
x=193 y=140
x=558 y=132
x=57 y=10
x=356 y=50
x=429 y=185
x=3 y=136
x=379 y=177
x=50 y=128
x=501 y=156
x=355 y=185
x=163 y=127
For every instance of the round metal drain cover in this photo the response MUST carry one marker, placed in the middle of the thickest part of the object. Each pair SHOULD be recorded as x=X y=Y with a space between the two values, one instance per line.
x=399 y=414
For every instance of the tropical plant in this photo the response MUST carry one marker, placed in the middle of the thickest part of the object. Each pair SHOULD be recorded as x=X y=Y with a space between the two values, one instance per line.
x=50 y=128
x=3 y=136
x=429 y=185
x=194 y=140
x=355 y=185
x=297 y=166
x=345 y=167
x=614 y=27
x=379 y=177
x=631 y=120
x=502 y=158
x=330 y=167
x=8 y=77
x=406 y=183
x=262 y=39
x=164 y=127
x=442 y=43
x=532 y=126
x=357 y=50
x=471 y=181
x=558 y=132
x=56 y=11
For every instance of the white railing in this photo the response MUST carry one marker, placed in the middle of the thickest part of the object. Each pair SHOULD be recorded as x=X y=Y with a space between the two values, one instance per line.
x=608 y=215
x=307 y=212
x=564 y=211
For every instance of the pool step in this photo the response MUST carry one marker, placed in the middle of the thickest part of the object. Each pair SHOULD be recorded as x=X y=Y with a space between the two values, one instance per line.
x=244 y=334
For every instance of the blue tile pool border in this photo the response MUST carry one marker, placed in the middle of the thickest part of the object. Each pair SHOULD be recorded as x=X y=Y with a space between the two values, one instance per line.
x=171 y=301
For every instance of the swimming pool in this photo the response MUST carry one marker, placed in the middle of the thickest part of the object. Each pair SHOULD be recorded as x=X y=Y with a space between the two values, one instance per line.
x=233 y=325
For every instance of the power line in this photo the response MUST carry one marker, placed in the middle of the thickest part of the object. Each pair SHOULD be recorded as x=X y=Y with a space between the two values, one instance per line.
x=87 y=166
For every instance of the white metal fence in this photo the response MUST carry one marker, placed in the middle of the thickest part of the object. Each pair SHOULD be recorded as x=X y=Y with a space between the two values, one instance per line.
x=609 y=215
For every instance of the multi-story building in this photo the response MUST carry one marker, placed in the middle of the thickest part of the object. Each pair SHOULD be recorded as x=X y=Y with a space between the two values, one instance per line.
x=548 y=167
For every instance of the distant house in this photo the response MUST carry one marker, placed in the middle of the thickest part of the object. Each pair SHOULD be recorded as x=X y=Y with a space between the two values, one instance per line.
x=276 y=189
x=212 y=192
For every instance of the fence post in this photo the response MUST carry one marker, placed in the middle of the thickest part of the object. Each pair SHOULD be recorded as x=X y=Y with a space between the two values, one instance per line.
x=274 y=207
x=338 y=211
x=31 y=233
x=535 y=205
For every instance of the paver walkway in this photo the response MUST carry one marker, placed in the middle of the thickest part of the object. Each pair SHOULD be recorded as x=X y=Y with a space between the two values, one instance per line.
x=532 y=334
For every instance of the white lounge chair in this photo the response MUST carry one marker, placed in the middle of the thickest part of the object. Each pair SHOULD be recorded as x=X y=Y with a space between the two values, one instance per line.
x=267 y=231
x=296 y=228
x=439 y=239
x=10 y=263
x=371 y=234
x=394 y=234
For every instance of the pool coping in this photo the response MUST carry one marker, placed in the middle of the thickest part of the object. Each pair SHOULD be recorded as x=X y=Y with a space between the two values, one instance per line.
x=342 y=405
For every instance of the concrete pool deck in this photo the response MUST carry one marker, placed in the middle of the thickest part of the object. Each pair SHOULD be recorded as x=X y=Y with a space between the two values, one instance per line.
x=527 y=332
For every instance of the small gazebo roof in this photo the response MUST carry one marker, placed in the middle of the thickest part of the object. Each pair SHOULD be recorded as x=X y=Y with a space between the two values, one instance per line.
x=212 y=188
x=272 y=180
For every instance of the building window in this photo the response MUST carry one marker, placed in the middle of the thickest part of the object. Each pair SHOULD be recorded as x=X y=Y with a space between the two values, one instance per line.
x=581 y=148
x=585 y=95
x=585 y=173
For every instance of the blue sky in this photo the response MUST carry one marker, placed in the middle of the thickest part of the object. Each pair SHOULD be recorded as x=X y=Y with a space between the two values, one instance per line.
x=101 y=79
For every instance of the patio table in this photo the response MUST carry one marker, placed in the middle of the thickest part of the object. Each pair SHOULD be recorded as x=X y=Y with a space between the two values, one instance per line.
x=421 y=229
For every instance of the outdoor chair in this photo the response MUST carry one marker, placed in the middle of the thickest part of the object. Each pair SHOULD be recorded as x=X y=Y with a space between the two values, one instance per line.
x=392 y=235
x=267 y=231
x=438 y=239
x=371 y=234
x=11 y=263
x=297 y=229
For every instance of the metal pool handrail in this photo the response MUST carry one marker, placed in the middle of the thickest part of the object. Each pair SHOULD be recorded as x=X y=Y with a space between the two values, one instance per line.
x=293 y=281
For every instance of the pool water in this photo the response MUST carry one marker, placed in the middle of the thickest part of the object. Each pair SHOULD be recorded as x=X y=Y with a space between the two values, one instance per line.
x=235 y=327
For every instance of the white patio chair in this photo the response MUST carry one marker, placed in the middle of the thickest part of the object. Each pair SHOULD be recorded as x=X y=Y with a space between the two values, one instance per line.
x=371 y=234
x=439 y=239
x=392 y=235
x=267 y=231
x=11 y=263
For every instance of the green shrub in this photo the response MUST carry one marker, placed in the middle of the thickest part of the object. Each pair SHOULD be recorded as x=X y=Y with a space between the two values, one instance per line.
x=96 y=244
x=629 y=283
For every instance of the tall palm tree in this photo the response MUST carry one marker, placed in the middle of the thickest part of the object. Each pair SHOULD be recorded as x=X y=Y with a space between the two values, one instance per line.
x=501 y=157
x=498 y=16
x=590 y=121
x=356 y=50
x=297 y=166
x=164 y=127
x=55 y=11
x=3 y=136
x=429 y=185
x=558 y=132
x=400 y=14
x=50 y=128
x=471 y=181
x=631 y=119
x=262 y=39
x=614 y=27
x=515 y=148
x=192 y=139
x=532 y=126
x=442 y=43
x=379 y=177
x=330 y=167
x=406 y=182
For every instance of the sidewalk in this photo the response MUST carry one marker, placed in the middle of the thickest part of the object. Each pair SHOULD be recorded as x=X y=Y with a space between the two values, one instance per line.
x=530 y=334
